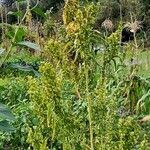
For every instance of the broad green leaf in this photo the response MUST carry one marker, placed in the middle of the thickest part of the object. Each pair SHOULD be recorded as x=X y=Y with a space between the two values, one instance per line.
x=20 y=35
x=30 y=45
x=39 y=12
x=5 y=126
x=5 y=113
x=26 y=68
x=22 y=68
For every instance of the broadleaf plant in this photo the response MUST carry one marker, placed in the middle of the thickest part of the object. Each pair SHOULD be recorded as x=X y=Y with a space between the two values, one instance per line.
x=5 y=117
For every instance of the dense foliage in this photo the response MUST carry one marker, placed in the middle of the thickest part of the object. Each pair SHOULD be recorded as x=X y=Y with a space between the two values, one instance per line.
x=72 y=85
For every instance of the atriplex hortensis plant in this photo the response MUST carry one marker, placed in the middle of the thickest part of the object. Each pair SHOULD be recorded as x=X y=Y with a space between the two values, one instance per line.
x=75 y=100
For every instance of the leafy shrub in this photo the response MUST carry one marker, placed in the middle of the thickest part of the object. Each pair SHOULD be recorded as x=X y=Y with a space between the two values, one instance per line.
x=13 y=92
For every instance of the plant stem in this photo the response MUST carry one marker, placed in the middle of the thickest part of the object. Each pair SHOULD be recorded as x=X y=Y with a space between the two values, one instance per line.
x=89 y=109
x=13 y=40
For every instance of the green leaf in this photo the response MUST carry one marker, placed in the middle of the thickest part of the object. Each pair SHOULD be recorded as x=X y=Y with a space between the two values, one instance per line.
x=26 y=68
x=20 y=0
x=39 y=12
x=29 y=45
x=20 y=35
x=5 y=126
x=16 y=13
x=5 y=113
x=2 y=51
x=22 y=68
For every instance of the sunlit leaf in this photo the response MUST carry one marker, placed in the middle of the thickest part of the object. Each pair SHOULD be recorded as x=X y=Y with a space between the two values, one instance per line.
x=2 y=51
x=16 y=13
x=20 y=35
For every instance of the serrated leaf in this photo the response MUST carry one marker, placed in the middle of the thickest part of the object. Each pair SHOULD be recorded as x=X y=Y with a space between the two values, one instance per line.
x=5 y=126
x=29 y=45
x=5 y=113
